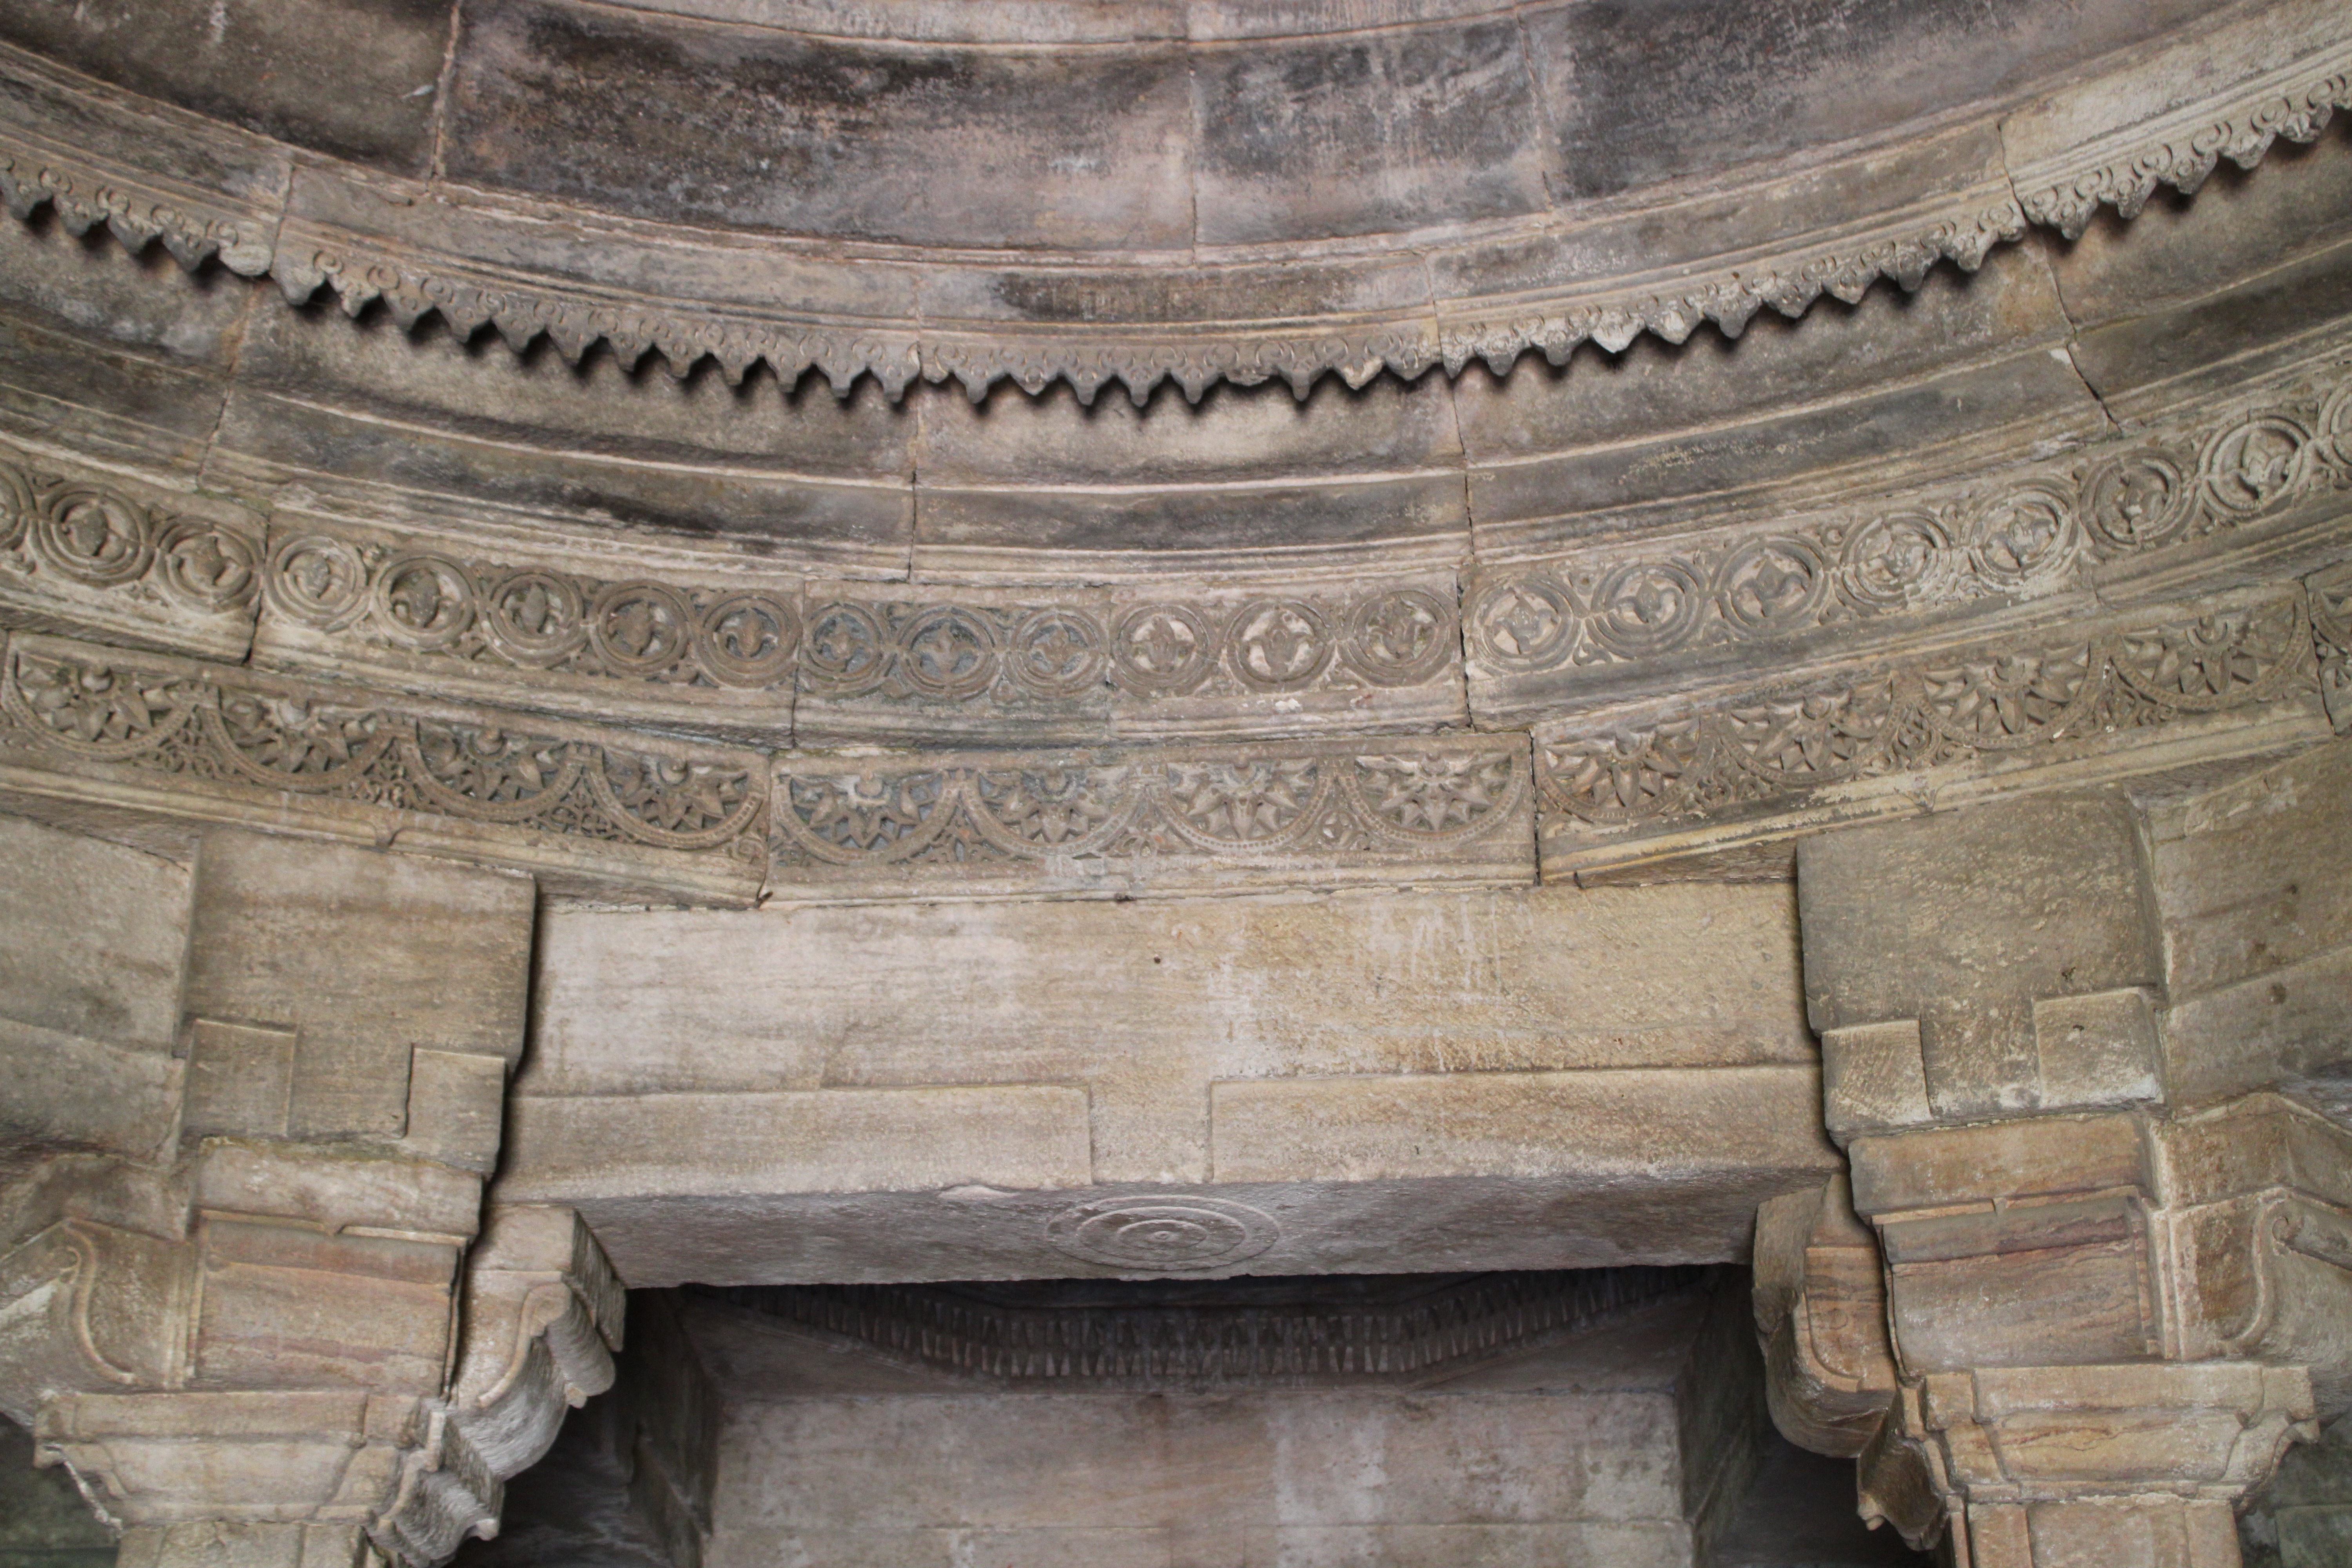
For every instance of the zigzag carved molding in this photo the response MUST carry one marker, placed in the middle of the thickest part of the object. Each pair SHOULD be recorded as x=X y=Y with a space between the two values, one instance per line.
x=422 y=251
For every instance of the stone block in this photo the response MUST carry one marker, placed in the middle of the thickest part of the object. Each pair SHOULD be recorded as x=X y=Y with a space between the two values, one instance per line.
x=1974 y=924
x=2255 y=875
x=343 y=81
x=82 y=549
x=1290 y=139
x=1245 y=483
x=2098 y=1049
x=713 y=652
x=2032 y=1284
x=287 y=1307
x=90 y=1005
x=240 y=1079
x=422 y=433
x=2047 y=1156
x=333 y=1189
x=1081 y=145
x=1146 y=1003
x=367 y=957
x=1606 y=1126
x=113 y=972
x=1874 y=1078
x=1008 y=1136
x=456 y=1108
x=1705 y=773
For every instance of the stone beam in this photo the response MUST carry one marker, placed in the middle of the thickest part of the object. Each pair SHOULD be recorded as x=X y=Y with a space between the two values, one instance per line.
x=1518 y=1079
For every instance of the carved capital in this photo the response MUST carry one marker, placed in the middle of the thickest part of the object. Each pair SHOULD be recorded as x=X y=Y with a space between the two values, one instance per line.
x=543 y=1316
x=1820 y=1312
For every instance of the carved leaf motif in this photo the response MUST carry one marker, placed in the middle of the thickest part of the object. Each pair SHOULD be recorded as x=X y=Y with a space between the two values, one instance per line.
x=866 y=812
x=100 y=707
x=1242 y=803
x=1051 y=808
x=1435 y=793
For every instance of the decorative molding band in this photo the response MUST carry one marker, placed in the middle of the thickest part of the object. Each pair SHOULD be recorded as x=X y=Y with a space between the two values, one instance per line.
x=2331 y=626
x=2182 y=148
x=155 y=735
x=1547 y=634
x=1131 y=663
x=582 y=279
x=1432 y=808
x=1444 y=1329
x=84 y=549
x=775 y=659
x=2230 y=676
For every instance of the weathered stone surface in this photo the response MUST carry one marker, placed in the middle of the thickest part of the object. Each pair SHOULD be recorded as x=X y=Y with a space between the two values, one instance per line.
x=2111 y=699
x=1437 y=1042
x=1590 y=1450
x=1210 y=818
x=2013 y=943
x=1039 y=487
x=2250 y=883
x=150 y=736
x=261 y=66
x=89 y=1012
x=532 y=93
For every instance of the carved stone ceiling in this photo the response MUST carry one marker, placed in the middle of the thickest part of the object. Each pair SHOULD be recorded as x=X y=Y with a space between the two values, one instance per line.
x=1197 y=191
x=2051 y=489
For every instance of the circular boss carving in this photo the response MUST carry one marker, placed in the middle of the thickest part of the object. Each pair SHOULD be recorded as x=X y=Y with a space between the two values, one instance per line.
x=1523 y=622
x=1279 y=642
x=746 y=639
x=316 y=578
x=535 y=617
x=1161 y=647
x=425 y=601
x=92 y=536
x=209 y=567
x=949 y=652
x=639 y=628
x=1401 y=637
x=1057 y=653
x=2254 y=463
x=1892 y=557
x=1646 y=608
x=2138 y=501
x=1162 y=1235
x=15 y=504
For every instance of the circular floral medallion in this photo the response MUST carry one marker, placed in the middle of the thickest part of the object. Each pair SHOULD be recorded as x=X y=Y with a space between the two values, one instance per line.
x=746 y=639
x=316 y=578
x=92 y=536
x=423 y=601
x=639 y=628
x=2138 y=501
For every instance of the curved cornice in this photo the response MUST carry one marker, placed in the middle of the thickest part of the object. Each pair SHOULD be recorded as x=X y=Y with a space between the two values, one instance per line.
x=1400 y=303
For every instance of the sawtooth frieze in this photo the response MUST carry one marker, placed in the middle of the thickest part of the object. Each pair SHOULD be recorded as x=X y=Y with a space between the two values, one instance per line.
x=1548 y=634
x=2138 y=694
x=1449 y=808
x=154 y=174
x=1428 y=1333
